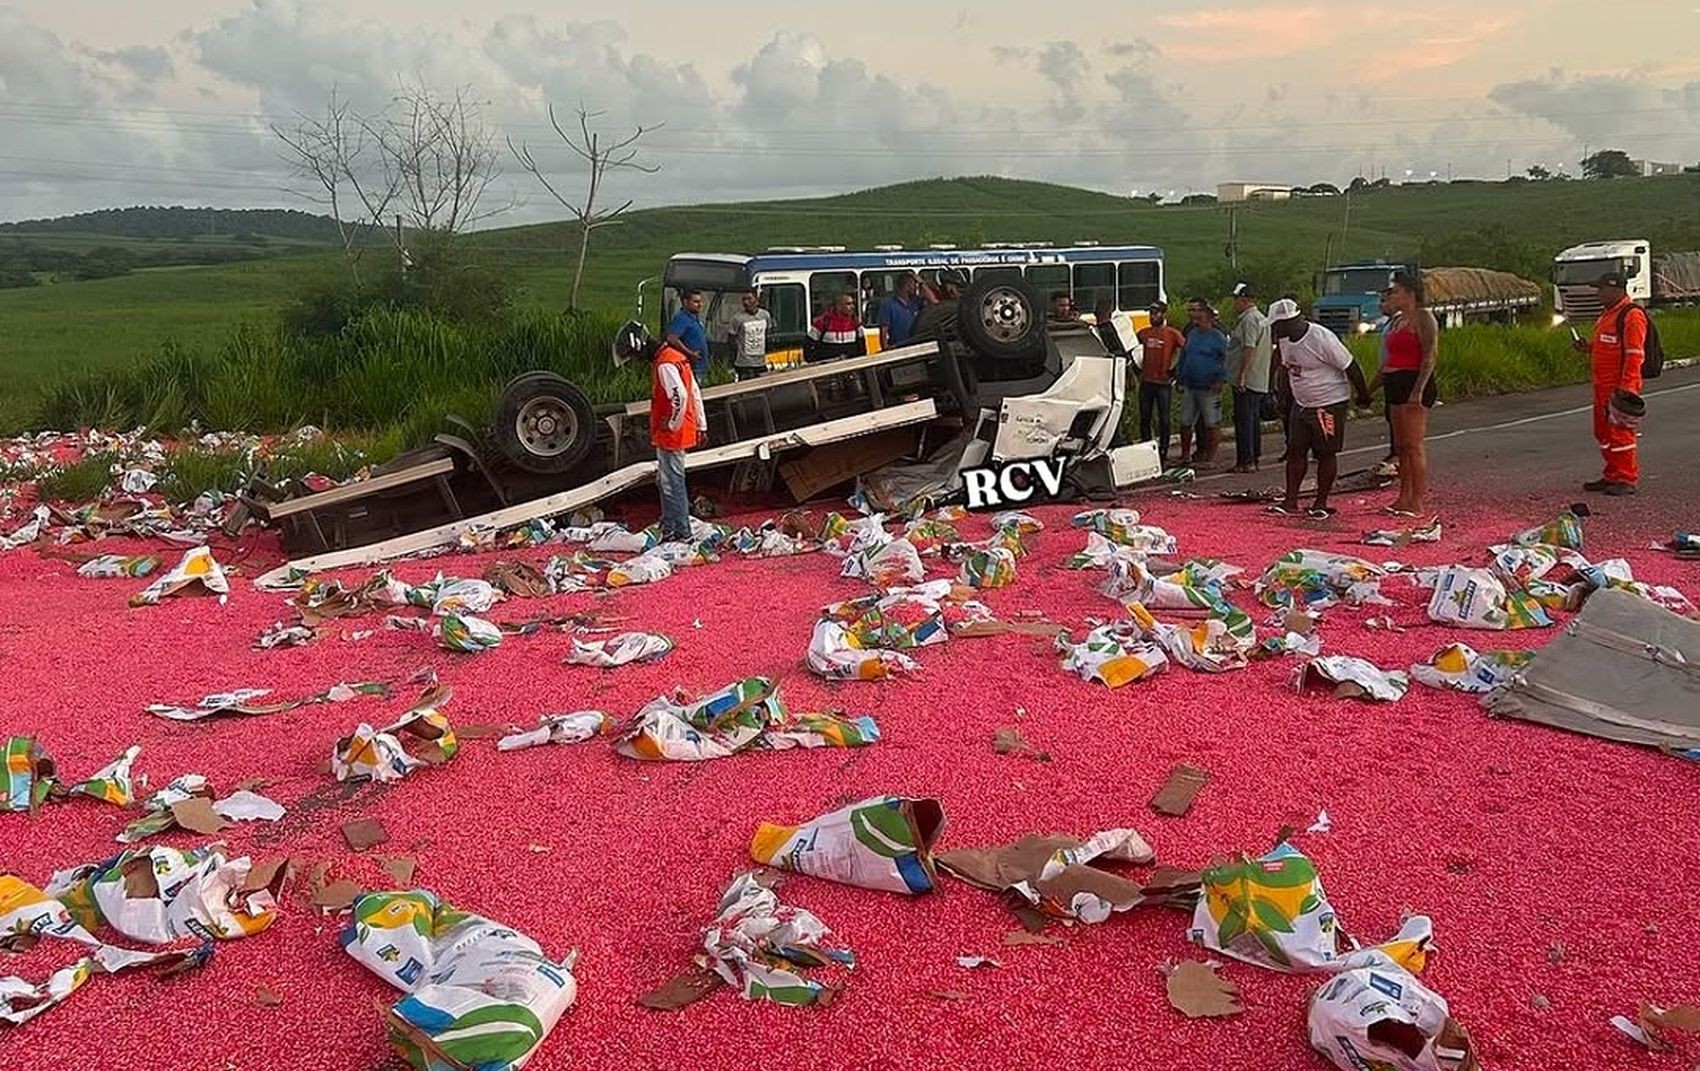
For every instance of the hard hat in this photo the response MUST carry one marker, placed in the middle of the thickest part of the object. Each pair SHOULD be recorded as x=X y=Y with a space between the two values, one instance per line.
x=629 y=341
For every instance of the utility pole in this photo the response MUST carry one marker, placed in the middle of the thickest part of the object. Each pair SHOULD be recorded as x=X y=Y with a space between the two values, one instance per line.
x=1233 y=248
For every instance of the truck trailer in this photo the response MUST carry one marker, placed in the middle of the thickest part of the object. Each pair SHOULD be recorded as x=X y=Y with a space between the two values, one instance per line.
x=1351 y=295
x=1653 y=279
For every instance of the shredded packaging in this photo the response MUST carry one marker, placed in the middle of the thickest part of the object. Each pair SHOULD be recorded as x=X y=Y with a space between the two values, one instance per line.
x=197 y=568
x=1112 y=654
x=883 y=843
x=758 y=945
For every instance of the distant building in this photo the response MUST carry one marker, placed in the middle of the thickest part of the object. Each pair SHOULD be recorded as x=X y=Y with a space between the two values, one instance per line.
x=1229 y=192
x=1649 y=168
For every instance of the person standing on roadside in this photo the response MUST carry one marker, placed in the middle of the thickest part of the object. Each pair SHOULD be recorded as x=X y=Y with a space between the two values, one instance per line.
x=1617 y=350
x=676 y=422
x=748 y=335
x=836 y=332
x=687 y=334
x=1413 y=347
x=1158 y=343
x=1247 y=369
x=1323 y=378
x=1389 y=465
x=1201 y=375
x=898 y=311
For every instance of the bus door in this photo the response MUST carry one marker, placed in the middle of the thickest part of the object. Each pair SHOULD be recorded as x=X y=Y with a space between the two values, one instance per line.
x=785 y=296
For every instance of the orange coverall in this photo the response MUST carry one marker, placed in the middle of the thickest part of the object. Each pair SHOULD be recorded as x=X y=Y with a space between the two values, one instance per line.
x=1617 y=364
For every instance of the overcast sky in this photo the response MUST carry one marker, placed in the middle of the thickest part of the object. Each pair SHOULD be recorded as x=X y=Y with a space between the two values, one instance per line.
x=169 y=101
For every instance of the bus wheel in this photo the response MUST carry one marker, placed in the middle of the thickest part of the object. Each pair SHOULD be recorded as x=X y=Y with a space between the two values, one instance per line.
x=543 y=423
x=1001 y=319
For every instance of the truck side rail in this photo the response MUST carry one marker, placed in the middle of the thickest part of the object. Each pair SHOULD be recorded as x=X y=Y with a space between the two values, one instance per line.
x=923 y=351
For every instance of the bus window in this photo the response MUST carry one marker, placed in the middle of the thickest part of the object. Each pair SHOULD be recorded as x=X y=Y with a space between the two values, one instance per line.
x=1047 y=281
x=997 y=273
x=1141 y=283
x=1094 y=283
x=788 y=305
x=875 y=286
x=825 y=286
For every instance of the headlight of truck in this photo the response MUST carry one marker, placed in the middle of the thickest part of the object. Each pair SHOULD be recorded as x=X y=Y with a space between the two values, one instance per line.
x=1557 y=318
x=1365 y=327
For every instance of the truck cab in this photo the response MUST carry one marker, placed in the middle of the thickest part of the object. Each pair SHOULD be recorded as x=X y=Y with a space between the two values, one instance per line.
x=1349 y=300
x=1575 y=270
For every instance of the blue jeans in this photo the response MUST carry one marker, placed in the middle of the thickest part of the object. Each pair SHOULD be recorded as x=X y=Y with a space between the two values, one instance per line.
x=1248 y=426
x=675 y=500
x=1154 y=401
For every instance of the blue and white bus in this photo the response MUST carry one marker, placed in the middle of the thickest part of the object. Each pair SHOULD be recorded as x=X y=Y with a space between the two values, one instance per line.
x=796 y=283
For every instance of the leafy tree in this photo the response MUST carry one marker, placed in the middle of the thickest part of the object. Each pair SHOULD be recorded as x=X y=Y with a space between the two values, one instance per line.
x=1539 y=173
x=1609 y=163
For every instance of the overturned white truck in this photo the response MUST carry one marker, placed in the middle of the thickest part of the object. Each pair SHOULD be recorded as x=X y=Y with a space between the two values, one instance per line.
x=986 y=381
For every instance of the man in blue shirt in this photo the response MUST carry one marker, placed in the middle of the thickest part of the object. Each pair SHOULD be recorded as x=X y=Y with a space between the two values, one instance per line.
x=686 y=333
x=1202 y=372
x=898 y=311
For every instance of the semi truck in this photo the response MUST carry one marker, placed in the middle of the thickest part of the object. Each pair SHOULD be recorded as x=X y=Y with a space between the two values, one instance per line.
x=1653 y=279
x=1350 y=295
x=987 y=377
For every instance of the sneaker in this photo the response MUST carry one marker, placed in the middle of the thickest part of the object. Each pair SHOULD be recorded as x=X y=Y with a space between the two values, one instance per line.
x=1617 y=490
x=1596 y=485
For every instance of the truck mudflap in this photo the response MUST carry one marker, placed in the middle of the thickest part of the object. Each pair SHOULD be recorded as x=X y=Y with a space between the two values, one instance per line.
x=762 y=448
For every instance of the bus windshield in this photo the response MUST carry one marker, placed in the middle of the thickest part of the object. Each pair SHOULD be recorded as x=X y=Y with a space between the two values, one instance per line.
x=1357 y=281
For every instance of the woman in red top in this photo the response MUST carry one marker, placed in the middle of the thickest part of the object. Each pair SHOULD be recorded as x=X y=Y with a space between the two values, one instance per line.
x=1413 y=345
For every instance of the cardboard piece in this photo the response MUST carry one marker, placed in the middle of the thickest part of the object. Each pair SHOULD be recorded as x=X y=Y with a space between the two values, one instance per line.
x=1182 y=787
x=479 y=994
x=1008 y=741
x=266 y=997
x=399 y=868
x=519 y=579
x=197 y=816
x=1052 y=873
x=680 y=991
x=364 y=834
x=1197 y=992
x=1017 y=938
x=882 y=843
x=828 y=466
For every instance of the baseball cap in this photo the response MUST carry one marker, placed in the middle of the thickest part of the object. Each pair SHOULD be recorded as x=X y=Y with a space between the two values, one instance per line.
x=1241 y=289
x=1610 y=278
x=1285 y=309
x=1158 y=306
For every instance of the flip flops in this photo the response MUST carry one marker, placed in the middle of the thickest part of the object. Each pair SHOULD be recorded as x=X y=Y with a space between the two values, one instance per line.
x=1391 y=512
x=1277 y=510
x=1321 y=513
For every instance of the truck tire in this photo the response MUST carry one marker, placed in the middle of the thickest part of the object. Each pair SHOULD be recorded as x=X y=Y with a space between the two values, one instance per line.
x=543 y=423
x=937 y=323
x=1001 y=319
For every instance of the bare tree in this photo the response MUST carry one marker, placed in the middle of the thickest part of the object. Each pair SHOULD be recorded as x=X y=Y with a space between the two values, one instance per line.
x=338 y=164
x=441 y=155
x=603 y=156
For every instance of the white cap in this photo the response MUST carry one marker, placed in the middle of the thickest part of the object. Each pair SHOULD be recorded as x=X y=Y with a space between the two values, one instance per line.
x=1285 y=309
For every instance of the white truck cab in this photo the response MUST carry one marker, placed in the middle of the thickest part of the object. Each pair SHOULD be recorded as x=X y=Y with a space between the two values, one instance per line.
x=1575 y=270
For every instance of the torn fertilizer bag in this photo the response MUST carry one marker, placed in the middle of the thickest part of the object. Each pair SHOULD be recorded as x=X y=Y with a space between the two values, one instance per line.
x=1459 y=668
x=768 y=542
x=757 y=943
x=1271 y=912
x=282 y=634
x=113 y=566
x=1401 y=537
x=1566 y=531
x=158 y=895
x=883 y=843
x=1209 y=646
x=1122 y=526
x=573 y=728
x=990 y=568
x=1023 y=522
x=1130 y=580
x=479 y=994
x=1318 y=579
x=1055 y=875
x=930 y=537
x=240 y=702
x=1376 y=1014
x=1615 y=573
x=889 y=564
x=741 y=716
x=620 y=650
x=646 y=568
x=197 y=567
x=28 y=914
x=31 y=778
x=1352 y=678
x=1474 y=598
x=187 y=796
x=1112 y=654
x=836 y=653
x=465 y=633
x=379 y=754
x=899 y=619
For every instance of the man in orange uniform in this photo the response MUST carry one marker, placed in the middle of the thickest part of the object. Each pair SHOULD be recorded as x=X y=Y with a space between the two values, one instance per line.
x=1617 y=366
x=676 y=422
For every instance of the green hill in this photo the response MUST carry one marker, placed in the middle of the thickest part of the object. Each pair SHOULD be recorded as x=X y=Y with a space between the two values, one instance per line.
x=45 y=330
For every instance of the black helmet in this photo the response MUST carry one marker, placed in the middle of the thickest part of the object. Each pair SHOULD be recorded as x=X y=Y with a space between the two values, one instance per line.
x=630 y=341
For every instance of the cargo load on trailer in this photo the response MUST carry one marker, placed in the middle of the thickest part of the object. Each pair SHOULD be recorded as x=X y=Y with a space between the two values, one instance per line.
x=1350 y=301
x=1654 y=278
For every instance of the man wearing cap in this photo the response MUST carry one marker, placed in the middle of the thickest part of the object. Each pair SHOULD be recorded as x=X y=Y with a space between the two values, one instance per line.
x=1247 y=367
x=1617 y=349
x=1158 y=345
x=676 y=422
x=1323 y=378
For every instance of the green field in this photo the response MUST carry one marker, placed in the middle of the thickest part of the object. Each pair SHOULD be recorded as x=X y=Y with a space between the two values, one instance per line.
x=49 y=331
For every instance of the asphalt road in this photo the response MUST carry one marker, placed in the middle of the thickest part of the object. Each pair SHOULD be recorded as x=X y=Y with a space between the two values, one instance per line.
x=1535 y=445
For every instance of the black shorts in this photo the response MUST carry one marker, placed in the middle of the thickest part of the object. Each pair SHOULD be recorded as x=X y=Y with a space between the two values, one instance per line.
x=1318 y=431
x=1400 y=384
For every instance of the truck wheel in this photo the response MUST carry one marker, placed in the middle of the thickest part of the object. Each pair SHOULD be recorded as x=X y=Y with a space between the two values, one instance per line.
x=1001 y=319
x=543 y=423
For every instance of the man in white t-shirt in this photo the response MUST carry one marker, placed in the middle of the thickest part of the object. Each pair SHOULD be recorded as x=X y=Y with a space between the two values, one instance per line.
x=1322 y=378
x=748 y=335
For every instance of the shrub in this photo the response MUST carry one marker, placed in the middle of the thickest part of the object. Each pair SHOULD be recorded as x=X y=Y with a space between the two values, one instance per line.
x=81 y=481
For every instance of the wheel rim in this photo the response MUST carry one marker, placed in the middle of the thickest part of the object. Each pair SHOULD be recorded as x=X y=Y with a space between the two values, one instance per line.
x=1004 y=314
x=546 y=427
